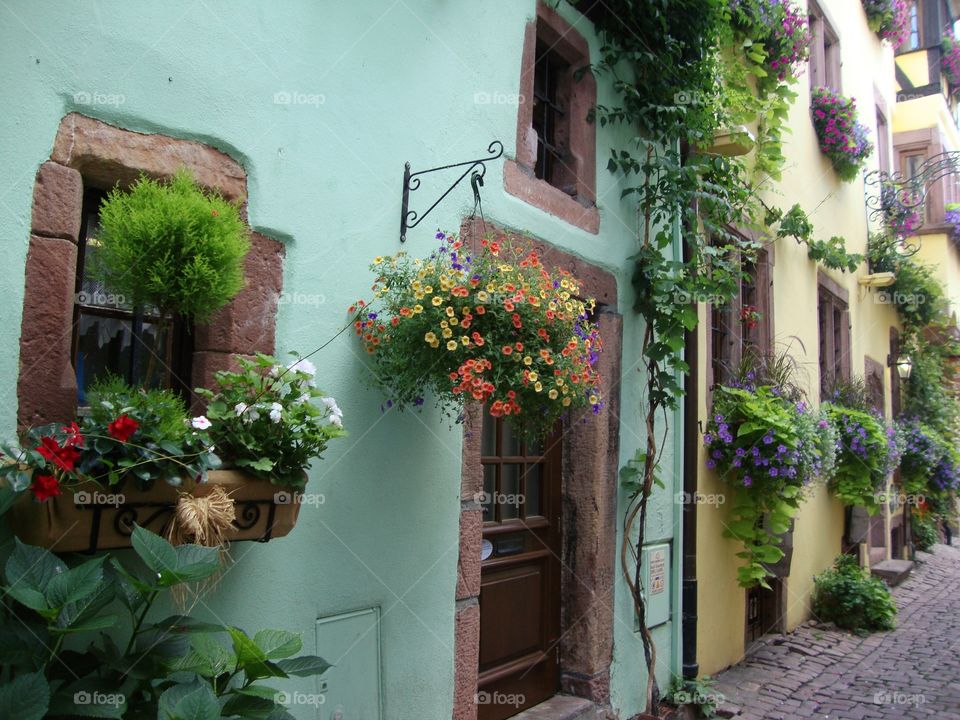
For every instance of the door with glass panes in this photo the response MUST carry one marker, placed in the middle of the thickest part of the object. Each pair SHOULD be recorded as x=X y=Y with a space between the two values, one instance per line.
x=520 y=572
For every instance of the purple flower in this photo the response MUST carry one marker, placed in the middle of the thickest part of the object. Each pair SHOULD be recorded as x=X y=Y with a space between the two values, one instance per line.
x=747 y=481
x=711 y=464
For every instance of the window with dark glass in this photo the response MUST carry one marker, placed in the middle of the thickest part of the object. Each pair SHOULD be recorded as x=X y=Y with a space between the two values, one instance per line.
x=513 y=472
x=551 y=119
x=744 y=325
x=110 y=337
x=913 y=40
x=834 y=331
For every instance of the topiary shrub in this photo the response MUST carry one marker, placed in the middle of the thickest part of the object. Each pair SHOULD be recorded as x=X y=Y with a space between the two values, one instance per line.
x=849 y=597
x=171 y=246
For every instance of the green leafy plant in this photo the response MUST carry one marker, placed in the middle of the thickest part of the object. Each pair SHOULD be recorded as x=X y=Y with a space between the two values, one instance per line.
x=701 y=694
x=924 y=529
x=264 y=418
x=186 y=246
x=849 y=597
x=129 y=435
x=60 y=661
x=866 y=454
x=830 y=253
x=767 y=448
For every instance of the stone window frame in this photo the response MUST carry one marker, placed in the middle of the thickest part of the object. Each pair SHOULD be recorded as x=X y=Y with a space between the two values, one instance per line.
x=90 y=152
x=519 y=179
x=589 y=510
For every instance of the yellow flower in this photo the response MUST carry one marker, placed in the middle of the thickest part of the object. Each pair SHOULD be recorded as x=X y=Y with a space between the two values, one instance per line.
x=378 y=259
x=454 y=321
x=447 y=332
x=437 y=300
x=435 y=344
x=538 y=387
x=553 y=394
x=418 y=308
x=450 y=311
x=444 y=323
x=428 y=289
x=566 y=401
x=452 y=345
x=482 y=296
x=533 y=377
x=464 y=339
x=491 y=288
x=528 y=360
x=430 y=337
x=593 y=399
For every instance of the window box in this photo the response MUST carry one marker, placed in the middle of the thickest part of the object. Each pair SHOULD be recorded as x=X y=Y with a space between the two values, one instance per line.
x=90 y=517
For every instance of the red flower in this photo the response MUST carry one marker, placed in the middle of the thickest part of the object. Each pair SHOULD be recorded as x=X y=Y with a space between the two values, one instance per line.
x=123 y=427
x=74 y=438
x=63 y=457
x=45 y=487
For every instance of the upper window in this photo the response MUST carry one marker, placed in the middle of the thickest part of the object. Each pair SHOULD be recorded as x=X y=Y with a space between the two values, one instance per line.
x=913 y=39
x=834 y=331
x=112 y=338
x=824 y=51
x=555 y=165
x=883 y=141
x=743 y=326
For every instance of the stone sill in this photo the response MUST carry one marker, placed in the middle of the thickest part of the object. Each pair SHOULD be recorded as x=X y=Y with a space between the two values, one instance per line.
x=543 y=195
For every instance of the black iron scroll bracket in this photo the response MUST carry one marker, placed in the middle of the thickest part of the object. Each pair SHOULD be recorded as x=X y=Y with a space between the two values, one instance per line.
x=411 y=181
x=891 y=194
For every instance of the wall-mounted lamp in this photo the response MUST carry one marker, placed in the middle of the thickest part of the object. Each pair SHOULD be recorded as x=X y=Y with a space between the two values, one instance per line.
x=903 y=365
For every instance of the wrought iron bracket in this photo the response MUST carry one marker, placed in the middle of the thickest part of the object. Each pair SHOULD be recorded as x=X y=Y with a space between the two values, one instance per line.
x=894 y=199
x=411 y=181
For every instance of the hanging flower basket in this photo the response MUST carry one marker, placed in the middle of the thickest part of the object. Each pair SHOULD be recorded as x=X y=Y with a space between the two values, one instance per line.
x=89 y=517
x=889 y=19
x=489 y=323
x=842 y=137
x=867 y=453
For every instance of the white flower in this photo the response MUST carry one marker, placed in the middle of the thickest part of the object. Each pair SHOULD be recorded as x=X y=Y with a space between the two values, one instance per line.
x=200 y=422
x=332 y=406
x=275 y=410
x=336 y=420
x=304 y=366
x=240 y=408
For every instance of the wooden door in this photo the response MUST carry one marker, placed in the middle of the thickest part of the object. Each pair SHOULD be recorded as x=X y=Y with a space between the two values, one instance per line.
x=520 y=573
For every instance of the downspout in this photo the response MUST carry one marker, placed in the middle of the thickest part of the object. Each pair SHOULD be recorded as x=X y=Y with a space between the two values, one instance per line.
x=679 y=519
x=688 y=416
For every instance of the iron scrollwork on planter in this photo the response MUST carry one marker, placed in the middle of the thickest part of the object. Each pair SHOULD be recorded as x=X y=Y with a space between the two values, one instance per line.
x=899 y=202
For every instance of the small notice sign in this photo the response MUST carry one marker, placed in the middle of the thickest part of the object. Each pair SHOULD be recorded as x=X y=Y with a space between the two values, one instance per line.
x=658 y=571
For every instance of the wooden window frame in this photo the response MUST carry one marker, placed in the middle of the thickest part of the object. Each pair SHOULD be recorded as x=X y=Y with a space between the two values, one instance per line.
x=825 y=58
x=833 y=332
x=733 y=334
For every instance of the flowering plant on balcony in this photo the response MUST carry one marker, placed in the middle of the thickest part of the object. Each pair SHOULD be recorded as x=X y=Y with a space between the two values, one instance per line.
x=128 y=434
x=952 y=217
x=889 y=19
x=950 y=61
x=867 y=452
x=271 y=420
x=767 y=447
x=780 y=27
x=489 y=323
x=842 y=137
x=902 y=209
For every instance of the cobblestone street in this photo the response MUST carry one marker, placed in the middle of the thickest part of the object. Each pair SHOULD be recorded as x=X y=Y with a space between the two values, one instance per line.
x=815 y=672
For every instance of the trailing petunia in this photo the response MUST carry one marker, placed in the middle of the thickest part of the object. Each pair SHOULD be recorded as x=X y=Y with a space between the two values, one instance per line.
x=867 y=453
x=842 y=137
x=889 y=19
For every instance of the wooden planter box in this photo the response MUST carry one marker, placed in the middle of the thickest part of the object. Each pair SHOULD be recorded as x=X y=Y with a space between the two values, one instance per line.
x=103 y=519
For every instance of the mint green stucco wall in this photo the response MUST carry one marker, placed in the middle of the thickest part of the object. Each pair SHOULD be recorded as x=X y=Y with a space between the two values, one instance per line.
x=398 y=81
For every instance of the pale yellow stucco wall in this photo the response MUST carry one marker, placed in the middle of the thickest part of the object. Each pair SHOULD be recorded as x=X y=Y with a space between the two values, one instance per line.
x=916 y=67
x=835 y=208
x=941 y=255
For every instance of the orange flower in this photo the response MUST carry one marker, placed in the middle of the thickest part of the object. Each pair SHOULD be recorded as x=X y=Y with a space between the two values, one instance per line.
x=480 y=309
x=507 y=350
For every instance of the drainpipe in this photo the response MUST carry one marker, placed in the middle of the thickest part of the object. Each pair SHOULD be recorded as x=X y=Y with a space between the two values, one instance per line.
x=691 y=439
